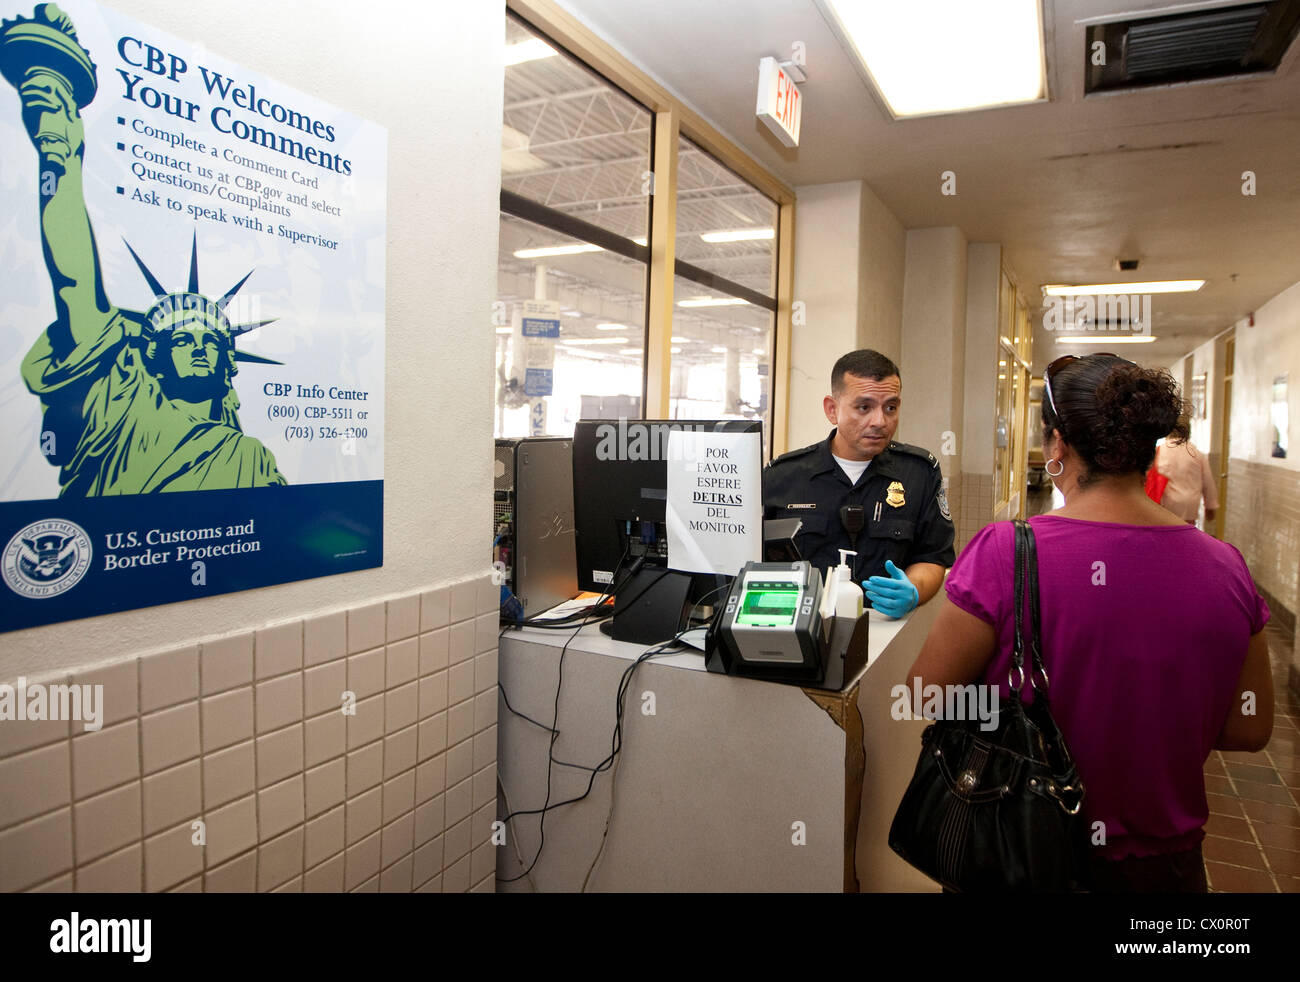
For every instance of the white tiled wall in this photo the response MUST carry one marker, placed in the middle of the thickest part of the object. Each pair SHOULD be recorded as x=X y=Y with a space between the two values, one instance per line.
x=247 y=734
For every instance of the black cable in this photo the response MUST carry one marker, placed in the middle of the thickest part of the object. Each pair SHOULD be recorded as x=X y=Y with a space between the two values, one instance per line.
x=554 y=729
x=616 y=742
x=540 y=726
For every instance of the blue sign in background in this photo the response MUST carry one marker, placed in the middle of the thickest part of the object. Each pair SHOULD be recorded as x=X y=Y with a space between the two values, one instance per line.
x=539 y=381
x=541 y=327
x=304 y=531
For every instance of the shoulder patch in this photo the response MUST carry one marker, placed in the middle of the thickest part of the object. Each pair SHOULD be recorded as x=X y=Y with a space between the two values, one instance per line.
x=921 y=452
x=793 y=454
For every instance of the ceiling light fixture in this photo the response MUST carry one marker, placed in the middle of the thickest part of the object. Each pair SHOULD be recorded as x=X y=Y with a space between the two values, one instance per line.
x=739 y=235
x=1094 y=289
x=712 y=302
x=1104 y=339
x=595 y=341
x=611 y=327
x=561 y=250
x=946 y=56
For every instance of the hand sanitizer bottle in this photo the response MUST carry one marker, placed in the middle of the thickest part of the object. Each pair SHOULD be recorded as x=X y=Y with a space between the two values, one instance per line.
x=848 y=595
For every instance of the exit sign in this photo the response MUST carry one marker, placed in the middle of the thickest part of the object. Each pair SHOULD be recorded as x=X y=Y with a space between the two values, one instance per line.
x=780 y=105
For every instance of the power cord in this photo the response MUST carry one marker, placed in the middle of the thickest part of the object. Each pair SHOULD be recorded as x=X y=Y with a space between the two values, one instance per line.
x=616 y=742
x=554 y=728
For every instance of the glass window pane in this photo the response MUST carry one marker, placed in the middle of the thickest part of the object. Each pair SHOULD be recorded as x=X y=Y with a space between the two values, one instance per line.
x=596 y=362
x=721 y=357
x=740 y=222
x=572 y=141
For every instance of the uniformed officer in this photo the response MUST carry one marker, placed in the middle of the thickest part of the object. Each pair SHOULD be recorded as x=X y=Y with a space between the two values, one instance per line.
x=860 y=490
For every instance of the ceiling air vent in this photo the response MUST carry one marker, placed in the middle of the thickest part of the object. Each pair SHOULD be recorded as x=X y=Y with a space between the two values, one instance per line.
x=1222 y=43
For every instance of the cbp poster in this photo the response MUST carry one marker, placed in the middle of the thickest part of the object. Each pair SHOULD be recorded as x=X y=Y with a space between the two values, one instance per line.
x=191 y=322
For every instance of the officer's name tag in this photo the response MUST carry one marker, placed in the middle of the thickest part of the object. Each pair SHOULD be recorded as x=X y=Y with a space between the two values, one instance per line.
x=812 y=506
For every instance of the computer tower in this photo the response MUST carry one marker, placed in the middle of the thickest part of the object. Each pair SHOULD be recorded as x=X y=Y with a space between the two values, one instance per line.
x=533 y=528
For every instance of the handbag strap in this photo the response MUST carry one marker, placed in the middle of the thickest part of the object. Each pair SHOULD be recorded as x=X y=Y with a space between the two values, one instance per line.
x=1027 y=567
x=1016 y=676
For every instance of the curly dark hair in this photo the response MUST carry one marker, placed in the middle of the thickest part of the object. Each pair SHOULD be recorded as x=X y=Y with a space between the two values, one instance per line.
x=1112 y=412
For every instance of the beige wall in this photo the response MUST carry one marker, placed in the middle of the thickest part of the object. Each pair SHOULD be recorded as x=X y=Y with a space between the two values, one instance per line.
x=934 y=341
x=1263 y=506
x=848 y=273
x=979 y=390
x=221 y=655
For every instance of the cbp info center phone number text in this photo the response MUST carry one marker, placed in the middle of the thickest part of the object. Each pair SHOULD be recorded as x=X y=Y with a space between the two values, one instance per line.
x=318 y=420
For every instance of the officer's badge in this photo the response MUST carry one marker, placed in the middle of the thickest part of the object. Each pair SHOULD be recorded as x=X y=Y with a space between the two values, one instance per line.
x=942 y=500
x=894 y=495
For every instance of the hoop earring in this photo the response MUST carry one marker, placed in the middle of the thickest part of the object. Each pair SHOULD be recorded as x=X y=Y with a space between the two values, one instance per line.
x=1048 y=467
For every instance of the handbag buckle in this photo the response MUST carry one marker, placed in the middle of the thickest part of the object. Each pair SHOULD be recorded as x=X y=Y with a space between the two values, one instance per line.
x=966 y=782
x=1018 y=684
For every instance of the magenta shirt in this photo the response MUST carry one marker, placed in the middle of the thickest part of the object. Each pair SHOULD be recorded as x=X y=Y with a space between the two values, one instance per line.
x=1143 y=669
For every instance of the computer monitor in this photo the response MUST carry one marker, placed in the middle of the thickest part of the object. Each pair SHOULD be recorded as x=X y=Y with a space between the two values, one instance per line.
x=620 y=490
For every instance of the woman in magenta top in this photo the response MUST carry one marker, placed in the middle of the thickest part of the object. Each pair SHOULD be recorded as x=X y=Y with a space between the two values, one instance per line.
x=1151 y=629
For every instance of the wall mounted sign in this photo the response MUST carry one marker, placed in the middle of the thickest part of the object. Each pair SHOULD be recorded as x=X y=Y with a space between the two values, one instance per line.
x=780 y=103
x=192 y=342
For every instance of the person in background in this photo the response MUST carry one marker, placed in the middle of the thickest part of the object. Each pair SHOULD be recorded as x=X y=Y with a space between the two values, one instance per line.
x=1188 y=473
x=1152 y=631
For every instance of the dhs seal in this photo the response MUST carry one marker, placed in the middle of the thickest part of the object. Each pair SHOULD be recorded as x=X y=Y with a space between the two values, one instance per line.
x=46 y=558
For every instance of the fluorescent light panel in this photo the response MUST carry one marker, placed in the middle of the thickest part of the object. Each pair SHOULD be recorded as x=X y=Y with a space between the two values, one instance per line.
x=712 y=302
x=1095 y=289
x=738 y=235
x=611 y=327
x=530 y=50
x=560 y=250
x=1102 y=339
x=942 y=56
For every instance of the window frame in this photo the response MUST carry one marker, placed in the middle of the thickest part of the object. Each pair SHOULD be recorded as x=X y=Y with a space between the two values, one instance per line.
x=671 y=120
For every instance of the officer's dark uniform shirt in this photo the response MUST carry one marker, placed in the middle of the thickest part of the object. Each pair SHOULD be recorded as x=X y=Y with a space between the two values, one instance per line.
x=905 y=507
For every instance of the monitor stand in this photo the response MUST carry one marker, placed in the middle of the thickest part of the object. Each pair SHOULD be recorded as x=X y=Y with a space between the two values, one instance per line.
x=648 y=610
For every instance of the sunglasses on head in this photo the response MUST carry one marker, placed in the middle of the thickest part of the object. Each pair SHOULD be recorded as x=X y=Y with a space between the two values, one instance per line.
x=1065 y=360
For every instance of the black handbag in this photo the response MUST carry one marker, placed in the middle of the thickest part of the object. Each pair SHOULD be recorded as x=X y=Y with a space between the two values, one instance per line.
x=998 y=810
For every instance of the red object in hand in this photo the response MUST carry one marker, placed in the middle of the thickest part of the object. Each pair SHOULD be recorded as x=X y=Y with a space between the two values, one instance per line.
x=1156 y=484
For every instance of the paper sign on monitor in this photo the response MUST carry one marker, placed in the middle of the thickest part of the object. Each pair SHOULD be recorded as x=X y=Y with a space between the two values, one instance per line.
x=714 y=515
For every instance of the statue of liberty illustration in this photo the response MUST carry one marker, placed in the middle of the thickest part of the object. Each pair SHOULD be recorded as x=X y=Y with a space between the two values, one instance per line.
x=136 y=402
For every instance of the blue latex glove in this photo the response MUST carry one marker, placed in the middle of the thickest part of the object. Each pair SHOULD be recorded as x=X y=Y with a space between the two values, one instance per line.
x=893 y=595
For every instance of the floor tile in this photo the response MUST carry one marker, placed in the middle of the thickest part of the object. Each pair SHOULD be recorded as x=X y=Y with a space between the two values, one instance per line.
x=1283 y=861
x=1233 y=852
x=1234 y=879
x=1279 y=836
x=1224 y=805
x=1265 y=811
x=1262 y=774
x=1231 y=828
x=1218 y=784
x=1254 y=791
